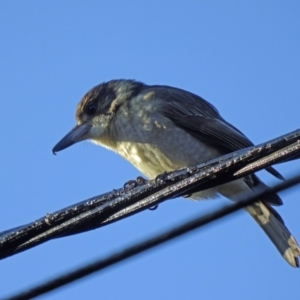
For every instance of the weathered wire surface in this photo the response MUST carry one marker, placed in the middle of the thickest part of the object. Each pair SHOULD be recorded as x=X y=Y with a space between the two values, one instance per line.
x=140 y=195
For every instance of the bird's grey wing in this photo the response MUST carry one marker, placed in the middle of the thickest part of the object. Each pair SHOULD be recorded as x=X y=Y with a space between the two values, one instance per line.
x=215 y=131
x=200 y=119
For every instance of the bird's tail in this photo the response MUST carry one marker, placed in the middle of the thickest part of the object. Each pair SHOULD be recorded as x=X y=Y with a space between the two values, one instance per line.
x=272 y=224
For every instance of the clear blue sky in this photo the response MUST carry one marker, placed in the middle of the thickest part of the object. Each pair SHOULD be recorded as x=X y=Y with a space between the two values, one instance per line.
x=243 y=56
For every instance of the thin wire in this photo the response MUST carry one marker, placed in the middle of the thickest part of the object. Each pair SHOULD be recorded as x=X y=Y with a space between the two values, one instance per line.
x=149 y=243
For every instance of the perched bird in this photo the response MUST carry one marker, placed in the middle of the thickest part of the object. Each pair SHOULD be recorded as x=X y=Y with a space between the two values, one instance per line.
x=161 y=128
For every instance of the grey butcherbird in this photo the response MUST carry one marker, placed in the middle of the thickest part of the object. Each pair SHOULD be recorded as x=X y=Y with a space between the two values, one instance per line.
x=161 y=128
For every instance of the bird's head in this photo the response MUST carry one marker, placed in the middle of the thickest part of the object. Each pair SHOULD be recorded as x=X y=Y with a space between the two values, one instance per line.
x=96 y=110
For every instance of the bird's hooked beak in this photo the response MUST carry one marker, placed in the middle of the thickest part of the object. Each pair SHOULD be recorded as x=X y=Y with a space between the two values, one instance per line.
x=77 y=134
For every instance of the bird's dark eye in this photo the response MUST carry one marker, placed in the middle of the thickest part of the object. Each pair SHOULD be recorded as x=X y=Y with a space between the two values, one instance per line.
x=91 y=109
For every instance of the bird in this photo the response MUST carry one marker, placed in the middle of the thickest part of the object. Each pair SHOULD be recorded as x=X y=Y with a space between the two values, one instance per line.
x=159 y=128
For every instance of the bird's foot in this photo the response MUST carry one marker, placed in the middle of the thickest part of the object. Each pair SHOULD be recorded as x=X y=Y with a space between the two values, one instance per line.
x=131 y=184
x=161 y=178
x=140 y=180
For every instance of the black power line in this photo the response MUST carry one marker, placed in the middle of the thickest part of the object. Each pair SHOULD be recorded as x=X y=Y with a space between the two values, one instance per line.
x=140 y=195
x=113 y=206
x=140 y=247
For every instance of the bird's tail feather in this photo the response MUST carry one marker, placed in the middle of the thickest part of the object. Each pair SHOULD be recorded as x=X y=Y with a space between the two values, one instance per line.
x=272 y=224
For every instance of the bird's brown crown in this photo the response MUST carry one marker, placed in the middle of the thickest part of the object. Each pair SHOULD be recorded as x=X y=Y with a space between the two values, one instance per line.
x=100 y=98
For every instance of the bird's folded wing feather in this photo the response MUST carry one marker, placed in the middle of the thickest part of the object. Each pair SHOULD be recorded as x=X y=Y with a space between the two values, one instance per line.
x=203 y=121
